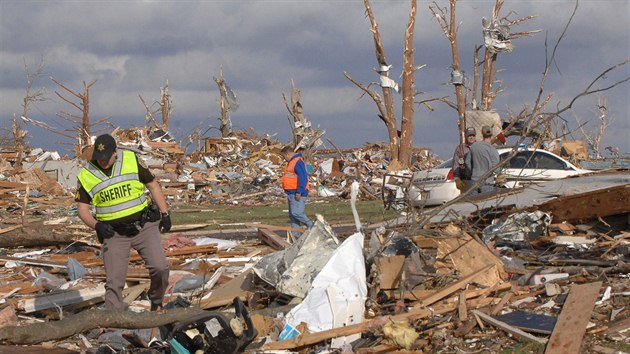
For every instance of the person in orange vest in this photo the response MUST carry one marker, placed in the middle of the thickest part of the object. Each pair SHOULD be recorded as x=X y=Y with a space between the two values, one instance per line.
x=296 y=186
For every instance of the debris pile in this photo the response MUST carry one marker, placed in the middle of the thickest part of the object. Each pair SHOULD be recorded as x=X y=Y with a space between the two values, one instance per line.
x=241 y=168
x=545 y=266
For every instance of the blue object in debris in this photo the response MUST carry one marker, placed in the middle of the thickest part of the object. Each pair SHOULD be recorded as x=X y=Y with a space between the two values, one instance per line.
x=176 y=347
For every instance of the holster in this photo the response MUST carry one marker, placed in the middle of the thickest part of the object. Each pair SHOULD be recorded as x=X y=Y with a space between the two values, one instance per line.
x=151 y=214
x=130 y=229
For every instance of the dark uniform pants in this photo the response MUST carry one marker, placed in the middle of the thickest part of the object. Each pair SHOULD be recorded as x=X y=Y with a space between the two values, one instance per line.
x=116 y=259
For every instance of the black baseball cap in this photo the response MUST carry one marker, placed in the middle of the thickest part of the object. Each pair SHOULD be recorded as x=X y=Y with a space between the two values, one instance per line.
x=104 y=147
x=471 y=131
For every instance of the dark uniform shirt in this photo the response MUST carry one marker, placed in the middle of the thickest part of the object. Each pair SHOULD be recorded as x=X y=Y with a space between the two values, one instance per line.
x=144 y=175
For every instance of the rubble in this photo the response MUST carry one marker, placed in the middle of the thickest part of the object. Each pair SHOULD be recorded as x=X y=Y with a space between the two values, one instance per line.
x=546 y=266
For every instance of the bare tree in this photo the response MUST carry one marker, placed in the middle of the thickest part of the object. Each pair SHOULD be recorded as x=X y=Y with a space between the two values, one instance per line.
x=400 y=142
x=497 y=39
x=227 y=102
x=149 y=116
x=32 y=96
x=80 y=121
x=304 y=136
x=166 y=105
x=594 y=139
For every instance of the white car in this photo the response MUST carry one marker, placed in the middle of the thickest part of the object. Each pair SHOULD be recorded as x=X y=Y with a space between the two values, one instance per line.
x=437 y=186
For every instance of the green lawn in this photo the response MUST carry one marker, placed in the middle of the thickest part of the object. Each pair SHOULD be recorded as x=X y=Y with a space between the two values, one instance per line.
x=334 y=211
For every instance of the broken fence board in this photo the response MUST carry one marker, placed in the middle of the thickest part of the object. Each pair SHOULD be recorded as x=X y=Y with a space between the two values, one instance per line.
x=571 y=324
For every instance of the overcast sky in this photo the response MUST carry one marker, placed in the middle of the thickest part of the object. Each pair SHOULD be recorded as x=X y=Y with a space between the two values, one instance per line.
x=134 y=47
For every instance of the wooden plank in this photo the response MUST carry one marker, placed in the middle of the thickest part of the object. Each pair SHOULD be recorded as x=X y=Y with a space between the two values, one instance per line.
x=424 y=242
x=187 y=227
x=272 y=239
x=512 y=330
x=618 y=327
x=241 y=286
x=32 y=261
x=571 y=325
x=34 y=349
x=18 y=185
x=462 y=310
x=504 y=299
x=135 y=257
x=23 y=288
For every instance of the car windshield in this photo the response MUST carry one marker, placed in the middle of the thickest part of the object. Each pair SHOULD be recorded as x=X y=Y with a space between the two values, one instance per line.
x=446 y=164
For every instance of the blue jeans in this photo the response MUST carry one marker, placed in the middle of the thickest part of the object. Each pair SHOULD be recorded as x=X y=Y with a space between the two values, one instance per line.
x=296 y=212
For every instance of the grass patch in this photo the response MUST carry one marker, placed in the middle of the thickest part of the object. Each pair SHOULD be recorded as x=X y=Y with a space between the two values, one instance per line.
x=335 y=212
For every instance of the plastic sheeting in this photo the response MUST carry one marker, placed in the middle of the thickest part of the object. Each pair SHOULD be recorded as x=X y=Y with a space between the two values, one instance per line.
x=292 y=270
x=337 y=295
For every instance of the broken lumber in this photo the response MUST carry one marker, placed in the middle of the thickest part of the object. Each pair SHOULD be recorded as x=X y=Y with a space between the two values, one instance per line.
x=466 y=253
x=571 y=325
x=598 y=203
x=451 y=288
x=272 y=239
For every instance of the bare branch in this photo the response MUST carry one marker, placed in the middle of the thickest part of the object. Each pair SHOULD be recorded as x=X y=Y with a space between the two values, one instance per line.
x=589 y=88
x=375 y=96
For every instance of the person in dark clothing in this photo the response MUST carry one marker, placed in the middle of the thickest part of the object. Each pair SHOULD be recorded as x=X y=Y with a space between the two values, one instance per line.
x=461 y=173
x=480 y=159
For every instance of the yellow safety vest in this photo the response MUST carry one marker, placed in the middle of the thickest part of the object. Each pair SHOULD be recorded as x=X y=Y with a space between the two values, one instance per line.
x=118 y=195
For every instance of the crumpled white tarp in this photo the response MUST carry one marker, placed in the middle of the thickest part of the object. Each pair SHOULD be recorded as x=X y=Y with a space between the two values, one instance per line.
x=338 y=293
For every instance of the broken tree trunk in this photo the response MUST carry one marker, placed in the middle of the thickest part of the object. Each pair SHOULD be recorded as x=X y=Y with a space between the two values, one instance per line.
x=36 y=235
x=90 y=319
x=390 y=116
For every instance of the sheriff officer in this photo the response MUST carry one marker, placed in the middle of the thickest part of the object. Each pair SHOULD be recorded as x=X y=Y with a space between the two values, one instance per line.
x=114 y=183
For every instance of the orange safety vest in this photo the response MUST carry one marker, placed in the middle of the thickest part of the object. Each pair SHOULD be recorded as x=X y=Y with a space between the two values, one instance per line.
x=290 y=178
